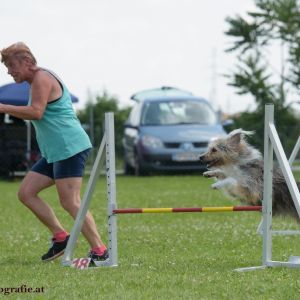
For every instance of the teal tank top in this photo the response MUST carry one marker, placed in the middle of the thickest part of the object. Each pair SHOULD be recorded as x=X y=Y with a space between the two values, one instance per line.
x=59 y=133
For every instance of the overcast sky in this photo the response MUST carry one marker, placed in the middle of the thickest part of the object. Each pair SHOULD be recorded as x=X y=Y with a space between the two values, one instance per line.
x=128 y=46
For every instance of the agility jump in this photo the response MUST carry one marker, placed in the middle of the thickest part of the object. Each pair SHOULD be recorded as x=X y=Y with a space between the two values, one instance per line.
x=272 y=143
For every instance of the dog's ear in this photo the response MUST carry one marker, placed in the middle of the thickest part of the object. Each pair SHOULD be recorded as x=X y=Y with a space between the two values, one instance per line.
x=237 y=135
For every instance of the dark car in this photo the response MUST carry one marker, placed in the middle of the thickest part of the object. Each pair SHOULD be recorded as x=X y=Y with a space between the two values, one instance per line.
x=167 y=130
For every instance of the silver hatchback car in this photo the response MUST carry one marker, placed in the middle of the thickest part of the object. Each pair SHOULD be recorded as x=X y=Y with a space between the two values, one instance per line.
x=167 y=130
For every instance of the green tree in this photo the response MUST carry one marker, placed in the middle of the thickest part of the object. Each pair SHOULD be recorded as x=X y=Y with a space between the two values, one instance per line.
x=92 y=116
x=275 y=23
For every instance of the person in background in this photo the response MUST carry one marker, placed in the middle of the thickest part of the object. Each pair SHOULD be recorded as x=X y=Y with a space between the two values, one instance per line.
x=64 y=147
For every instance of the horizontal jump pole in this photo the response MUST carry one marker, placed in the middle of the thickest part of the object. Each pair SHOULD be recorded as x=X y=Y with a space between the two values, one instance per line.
x=186 y=209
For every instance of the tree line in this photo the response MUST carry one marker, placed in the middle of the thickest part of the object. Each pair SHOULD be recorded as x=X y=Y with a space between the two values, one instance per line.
x=273 y=24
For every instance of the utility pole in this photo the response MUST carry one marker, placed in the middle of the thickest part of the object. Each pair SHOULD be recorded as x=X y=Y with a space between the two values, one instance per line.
x=213 y=91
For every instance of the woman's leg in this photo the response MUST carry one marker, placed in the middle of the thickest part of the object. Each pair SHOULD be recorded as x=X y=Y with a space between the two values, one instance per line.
x=30 y=187
x=69 y=194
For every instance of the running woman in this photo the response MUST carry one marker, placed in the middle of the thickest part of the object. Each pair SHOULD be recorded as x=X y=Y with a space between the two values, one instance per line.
x=63 y=144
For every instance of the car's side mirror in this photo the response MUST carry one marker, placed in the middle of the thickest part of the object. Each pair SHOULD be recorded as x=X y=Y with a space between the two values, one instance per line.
x=129 y=125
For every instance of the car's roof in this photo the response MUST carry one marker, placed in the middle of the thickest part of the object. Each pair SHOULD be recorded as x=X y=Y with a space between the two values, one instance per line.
x=174 y=98
x=165 y=93
x=159 y=92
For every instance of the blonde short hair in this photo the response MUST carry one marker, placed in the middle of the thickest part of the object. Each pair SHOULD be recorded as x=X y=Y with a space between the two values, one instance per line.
x=18 y=50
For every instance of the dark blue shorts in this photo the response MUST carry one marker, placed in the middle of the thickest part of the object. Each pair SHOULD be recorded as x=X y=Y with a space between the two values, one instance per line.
x=70 y=167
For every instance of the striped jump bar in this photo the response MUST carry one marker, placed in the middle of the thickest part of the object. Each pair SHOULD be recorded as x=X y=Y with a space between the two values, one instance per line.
x=186 y=209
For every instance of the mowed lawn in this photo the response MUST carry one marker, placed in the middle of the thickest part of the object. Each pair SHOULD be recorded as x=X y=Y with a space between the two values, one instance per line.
x=161 y=256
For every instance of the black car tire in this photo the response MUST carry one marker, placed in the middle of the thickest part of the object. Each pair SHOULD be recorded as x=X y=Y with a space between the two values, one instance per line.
x=128 y=170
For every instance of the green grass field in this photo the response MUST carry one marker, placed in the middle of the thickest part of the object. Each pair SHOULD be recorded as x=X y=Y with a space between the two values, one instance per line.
x=161 y=256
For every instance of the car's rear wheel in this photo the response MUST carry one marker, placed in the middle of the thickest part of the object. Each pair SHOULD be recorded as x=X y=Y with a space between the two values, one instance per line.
x=128 y=170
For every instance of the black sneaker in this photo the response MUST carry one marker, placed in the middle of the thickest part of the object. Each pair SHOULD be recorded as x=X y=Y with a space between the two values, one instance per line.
x=96 y=257
x=57 y=249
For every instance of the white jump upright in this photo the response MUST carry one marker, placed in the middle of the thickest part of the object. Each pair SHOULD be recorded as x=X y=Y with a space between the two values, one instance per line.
x=107 y=150
x=111 y=192
x=272 y=144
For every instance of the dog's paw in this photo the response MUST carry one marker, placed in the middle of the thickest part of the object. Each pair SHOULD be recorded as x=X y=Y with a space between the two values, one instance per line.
x=215 y=186
x=208 y=174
